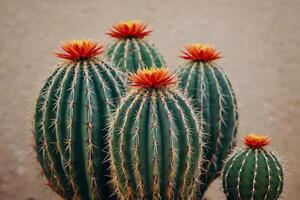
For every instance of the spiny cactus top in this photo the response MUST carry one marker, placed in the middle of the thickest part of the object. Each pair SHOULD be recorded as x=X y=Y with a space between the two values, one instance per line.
x=253 y=173
x=155 y=140
x=70 y=120
x=211 y=92
x=130 y=51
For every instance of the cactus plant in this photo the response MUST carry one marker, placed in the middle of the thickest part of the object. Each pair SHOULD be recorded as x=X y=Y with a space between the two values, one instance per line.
x=70 y=121
x=209 y=88
x=154 y=140
x=253 y=173
x=130 y=51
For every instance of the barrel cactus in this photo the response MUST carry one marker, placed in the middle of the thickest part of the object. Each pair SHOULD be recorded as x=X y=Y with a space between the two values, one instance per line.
x=154 y=140
x=209 y=88
x=130 y=51
x=253 y=173
x=70 y=120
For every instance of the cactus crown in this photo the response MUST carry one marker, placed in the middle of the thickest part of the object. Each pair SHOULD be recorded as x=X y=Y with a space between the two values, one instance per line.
x=80 y=49
x=256 y=141
x=152 y=78
x=200 y=52
x=129 y=29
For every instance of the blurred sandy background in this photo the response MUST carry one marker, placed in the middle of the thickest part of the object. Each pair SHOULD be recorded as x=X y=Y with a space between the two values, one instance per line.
x=260 y=41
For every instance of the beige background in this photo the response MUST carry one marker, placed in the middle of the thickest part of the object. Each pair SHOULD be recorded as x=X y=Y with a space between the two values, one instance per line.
x=260 y=41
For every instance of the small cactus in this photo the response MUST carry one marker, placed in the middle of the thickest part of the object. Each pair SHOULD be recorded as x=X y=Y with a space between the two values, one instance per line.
x=253 y=173
x=70 y=120
x=209 y=88
x=130 y=51
x=155 y=140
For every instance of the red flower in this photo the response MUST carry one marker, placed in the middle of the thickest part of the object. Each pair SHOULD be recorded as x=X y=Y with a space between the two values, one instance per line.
x=256 y=141
x=129 y=29
x=200 y=52
x=152 y=78
x=80 y=49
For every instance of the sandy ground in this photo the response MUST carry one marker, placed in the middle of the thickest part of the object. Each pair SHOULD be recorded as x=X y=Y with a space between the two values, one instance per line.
x=260 y=43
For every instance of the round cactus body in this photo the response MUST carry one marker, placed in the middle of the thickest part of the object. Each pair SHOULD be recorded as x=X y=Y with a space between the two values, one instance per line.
x=130 y=51
x=70 y=121
x=253 y=173
x=155 y=140
x=209 y=88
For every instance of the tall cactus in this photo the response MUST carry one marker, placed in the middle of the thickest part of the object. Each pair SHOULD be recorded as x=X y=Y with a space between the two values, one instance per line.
x=130 y=51
x=209 y=88
x=70 y=121
x=154 y=140
x=253 y=173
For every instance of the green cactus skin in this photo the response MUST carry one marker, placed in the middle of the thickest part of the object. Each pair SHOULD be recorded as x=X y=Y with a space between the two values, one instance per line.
x=130 y=54
x=253 y=174
x=155 y=146
x=212 y=95
x=70 y=121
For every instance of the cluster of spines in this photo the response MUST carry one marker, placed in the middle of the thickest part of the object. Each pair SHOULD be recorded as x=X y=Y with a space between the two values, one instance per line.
x=48 y=166
x=253 y=173
x=57 y=112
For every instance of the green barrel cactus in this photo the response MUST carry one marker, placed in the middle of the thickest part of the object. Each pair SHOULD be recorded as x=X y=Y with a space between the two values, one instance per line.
x=209 y=88
x=253 y=173
x=155 y=140
x=71 y=119
x=130 y=51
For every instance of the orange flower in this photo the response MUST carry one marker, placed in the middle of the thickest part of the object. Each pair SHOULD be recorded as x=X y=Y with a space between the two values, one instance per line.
x=256 y=141
x=200 y=52
x=129 y=29
x=152 y=78
x=80 y=49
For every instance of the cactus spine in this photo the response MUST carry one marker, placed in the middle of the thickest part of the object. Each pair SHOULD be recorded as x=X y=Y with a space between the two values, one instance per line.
x=130 y=51
x=212 y=94
x=253 y=173
x=154 y=140
x=70 y=122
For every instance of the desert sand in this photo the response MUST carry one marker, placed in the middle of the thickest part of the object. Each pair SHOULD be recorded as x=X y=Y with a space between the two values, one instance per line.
x=260 y=44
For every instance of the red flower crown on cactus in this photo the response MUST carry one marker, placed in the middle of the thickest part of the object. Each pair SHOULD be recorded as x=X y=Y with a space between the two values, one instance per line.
x=128 y=29
x=200 y=52
x=152 y=78
x=256 y=141
x=80 y=49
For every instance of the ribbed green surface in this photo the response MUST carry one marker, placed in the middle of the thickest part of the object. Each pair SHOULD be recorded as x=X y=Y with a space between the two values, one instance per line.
x=212 y=94
x=70 y=126
x=130 y=54
x=155 y=146
x=253 y=174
